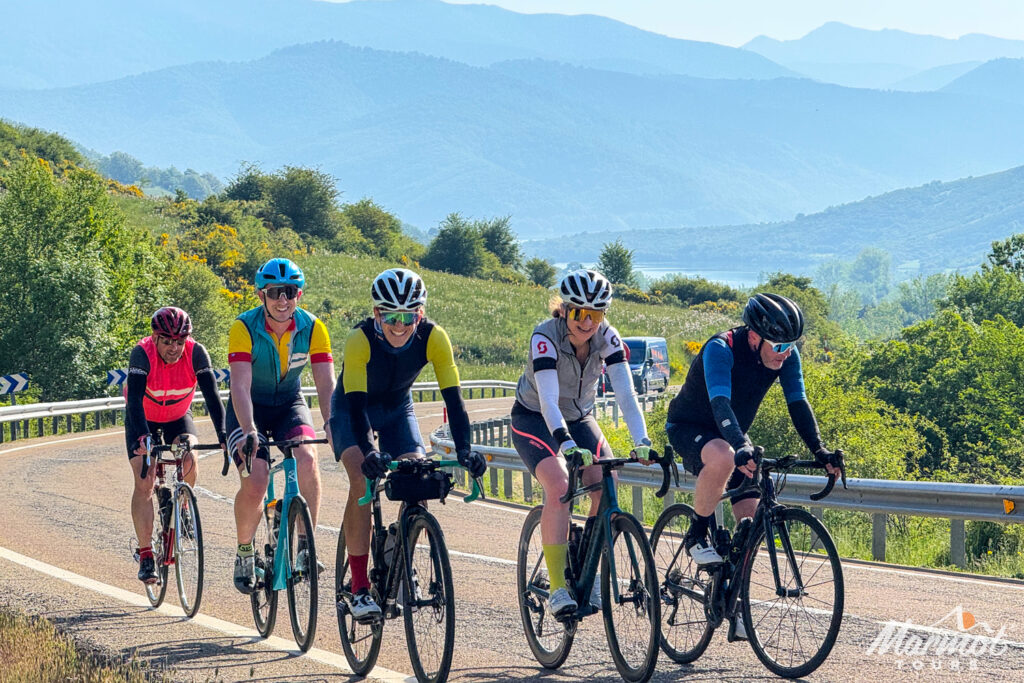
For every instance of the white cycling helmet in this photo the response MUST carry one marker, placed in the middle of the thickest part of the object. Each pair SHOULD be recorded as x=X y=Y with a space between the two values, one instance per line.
x=586 y=289
x=398 y=289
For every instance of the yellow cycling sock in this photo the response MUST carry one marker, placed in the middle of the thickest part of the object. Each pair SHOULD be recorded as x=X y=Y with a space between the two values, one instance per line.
x=555 y=557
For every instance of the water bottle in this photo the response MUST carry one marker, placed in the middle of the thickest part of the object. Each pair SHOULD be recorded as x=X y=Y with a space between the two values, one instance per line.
x=164 y=496
x=390 y=543
x=588 y=530
x=739 y=539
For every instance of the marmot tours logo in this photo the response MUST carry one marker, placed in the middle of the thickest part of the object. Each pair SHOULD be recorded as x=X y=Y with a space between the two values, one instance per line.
x=956 y=642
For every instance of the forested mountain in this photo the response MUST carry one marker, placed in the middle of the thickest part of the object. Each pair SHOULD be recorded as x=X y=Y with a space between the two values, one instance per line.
x=561 y=148
x=928 y=229
x=49 y=43
x=857 y=57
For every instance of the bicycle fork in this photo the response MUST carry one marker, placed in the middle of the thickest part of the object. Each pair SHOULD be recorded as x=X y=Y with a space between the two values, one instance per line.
x=773 y=543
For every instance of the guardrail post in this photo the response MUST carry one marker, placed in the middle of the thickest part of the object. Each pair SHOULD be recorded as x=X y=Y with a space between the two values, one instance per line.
x=494 y=480
x=527 y=487
x=490 y=432
x=878 y=522
x=99 y=419
x=508 y=483
x=957 y=543
x=638 y=502
x=506 y=440
x=71 y=425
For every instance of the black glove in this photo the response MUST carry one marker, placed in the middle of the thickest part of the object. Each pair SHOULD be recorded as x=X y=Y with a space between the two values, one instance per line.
x=375 y=465
x=472 y=461
x=743 y=455
x=826 y=457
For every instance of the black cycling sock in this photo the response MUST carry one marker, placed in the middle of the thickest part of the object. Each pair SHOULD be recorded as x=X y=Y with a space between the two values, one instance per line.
x=699 y=527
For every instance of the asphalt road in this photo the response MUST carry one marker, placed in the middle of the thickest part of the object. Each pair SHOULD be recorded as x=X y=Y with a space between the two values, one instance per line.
x=64 y=554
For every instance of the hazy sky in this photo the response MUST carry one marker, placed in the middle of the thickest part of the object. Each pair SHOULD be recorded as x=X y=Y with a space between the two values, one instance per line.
x=734 y=22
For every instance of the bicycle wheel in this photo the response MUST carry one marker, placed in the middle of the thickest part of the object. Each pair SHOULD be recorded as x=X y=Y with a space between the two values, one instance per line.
x=685 y=631
x=549 y=640
x=359 y=641
x=428 y=605
x=632 y=619
x=264 y=599
x=302 y=586
x=156 y=591
x=188 y=551
x=793 y=623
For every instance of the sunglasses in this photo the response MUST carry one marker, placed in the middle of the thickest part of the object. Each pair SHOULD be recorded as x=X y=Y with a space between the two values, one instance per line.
x=404 y=317
x=580 y=314
x=782 y=347
x=290 y=291
x=170 y=341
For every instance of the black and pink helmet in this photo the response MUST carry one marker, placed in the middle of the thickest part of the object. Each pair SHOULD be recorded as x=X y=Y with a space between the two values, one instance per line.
x=172 y=322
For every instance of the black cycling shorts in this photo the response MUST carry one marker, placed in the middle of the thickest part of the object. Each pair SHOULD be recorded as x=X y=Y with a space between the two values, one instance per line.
x=533 y=441
x=274 y=423
x=689 y=440
x=165 y=432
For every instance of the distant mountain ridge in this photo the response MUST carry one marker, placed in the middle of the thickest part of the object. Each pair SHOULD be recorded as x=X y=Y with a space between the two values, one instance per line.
x=43 y=40
x=559 y=147
x=856 y=57
x=932 y=228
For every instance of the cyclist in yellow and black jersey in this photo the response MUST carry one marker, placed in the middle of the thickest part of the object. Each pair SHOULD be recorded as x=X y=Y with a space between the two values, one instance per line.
x=383 y=356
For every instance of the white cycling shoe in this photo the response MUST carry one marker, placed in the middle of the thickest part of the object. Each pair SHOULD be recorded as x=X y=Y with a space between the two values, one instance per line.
x=561 y=603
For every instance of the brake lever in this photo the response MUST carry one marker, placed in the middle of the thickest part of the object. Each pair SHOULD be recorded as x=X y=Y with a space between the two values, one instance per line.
x=147 y=458
x=667 y=470
x=247 y=450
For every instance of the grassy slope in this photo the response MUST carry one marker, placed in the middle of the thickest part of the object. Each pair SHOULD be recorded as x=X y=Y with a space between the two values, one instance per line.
x=489 y=322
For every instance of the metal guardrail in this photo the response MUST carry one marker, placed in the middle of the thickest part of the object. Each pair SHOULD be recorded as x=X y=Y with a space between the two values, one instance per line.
x=106 y=411
x=878 y=497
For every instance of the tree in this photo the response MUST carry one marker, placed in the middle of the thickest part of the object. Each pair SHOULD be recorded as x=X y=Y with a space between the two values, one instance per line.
x=616 y=263
x=306 y=197
x=540 y=272
x=1009 y=254
x=36 y=143
x=501 y=241
x=458 y=248
x=250 y=185
x=695 y=290
x=381 y=229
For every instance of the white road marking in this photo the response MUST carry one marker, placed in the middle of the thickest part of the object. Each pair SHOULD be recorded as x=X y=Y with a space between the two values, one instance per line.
x=212 y=623
x=49 y=443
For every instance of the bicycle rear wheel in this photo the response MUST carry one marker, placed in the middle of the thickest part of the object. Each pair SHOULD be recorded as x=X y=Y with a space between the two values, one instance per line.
x=359 y=641
x=549 y=640
x=188 y=551
x=685 y=631
x=304 y=581
x=633 y=619
x=793 y=623
x=429 y=600
x=156 y=591
x=264 y=598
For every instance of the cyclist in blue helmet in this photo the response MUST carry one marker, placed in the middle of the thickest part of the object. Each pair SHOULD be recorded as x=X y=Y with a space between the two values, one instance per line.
x=268 y=348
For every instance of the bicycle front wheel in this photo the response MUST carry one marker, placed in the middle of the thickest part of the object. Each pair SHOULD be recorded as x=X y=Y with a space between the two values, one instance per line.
x=549 y=640
x=793 y=594
x=303 y=583
x=632 y=607
x=685 y=631
x=155 y=592
x=264 y=598
x=188 y=551
x=429 y=600
x=359 y=641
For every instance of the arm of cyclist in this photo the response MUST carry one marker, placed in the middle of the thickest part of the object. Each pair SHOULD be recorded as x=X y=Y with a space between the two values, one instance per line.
x=208 y=386
x=322 y=365
x=718 y=362
x=135 y=389
x=800 y=412
x=544 y=356
x=622 y=384
x=240 y=364
x=354 y=385
x=442 y=358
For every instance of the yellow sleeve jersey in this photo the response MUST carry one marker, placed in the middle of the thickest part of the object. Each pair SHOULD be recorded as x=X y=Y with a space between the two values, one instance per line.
x=385 y=373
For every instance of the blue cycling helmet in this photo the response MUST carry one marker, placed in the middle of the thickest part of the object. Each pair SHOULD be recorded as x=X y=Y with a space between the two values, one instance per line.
x=279 y=271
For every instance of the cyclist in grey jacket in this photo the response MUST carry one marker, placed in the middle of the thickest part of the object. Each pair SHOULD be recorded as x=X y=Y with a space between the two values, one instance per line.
x=552 y=418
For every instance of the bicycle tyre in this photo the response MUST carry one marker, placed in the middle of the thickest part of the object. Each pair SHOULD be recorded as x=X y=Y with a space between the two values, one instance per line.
x=156 y=592
x=303 y=585
x=635 y=656
x=803 y=543
x=188 y=551
x=549 y=640
x=430 y=584
x=359 y=641
x=264 y=599
x=685 y=639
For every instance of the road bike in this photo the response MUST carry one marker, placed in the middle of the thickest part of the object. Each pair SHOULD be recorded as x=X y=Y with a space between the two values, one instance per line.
x=409 y=571
x=177 y=529
x=781 y=574
x=285 y=553
x=629 y=583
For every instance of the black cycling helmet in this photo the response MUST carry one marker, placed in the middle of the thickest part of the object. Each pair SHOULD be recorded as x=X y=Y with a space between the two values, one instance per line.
x=774 y=317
